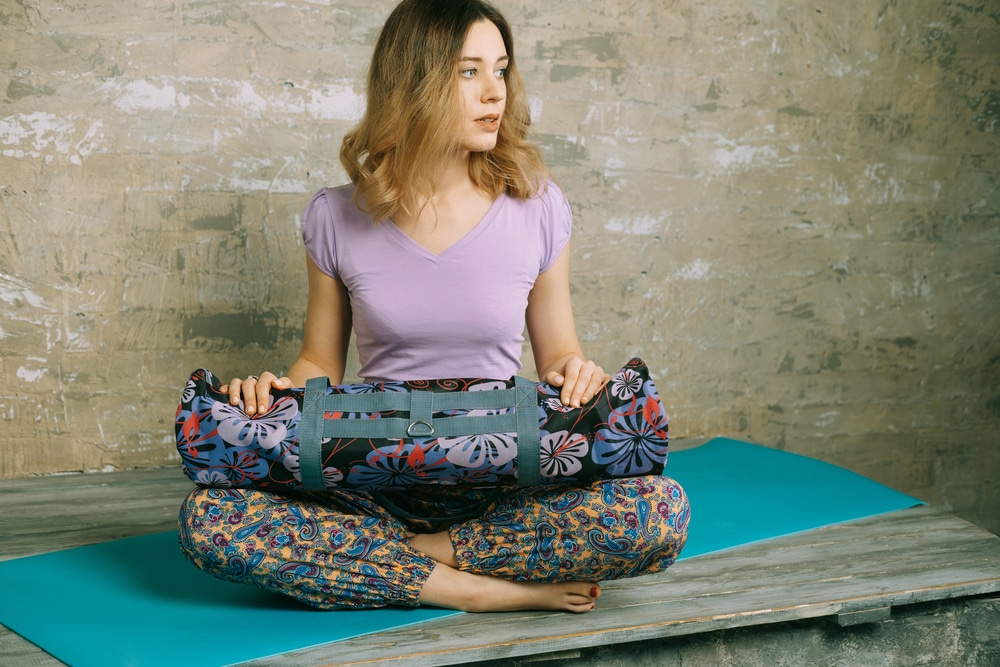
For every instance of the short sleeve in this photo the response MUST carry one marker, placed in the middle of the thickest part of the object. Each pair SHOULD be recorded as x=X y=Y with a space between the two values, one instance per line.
x=556 y=225
x=318 y=233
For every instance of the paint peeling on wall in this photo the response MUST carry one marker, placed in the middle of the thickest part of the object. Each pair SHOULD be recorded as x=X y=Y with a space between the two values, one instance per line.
x=138 y=96
x=696 y=270
x=45 y=135
x=640 y=225
x=252 y=99
x=18 y=293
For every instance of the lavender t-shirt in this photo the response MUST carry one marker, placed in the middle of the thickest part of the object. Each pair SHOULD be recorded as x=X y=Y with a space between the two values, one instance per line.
x=422 y=316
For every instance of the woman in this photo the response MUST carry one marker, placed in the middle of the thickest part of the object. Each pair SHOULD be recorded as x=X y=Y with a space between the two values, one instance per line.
x=449 y=240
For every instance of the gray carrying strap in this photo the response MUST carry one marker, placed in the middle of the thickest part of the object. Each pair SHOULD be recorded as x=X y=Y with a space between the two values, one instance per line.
x=529 y=466
x=421 y=423
x=311 y=435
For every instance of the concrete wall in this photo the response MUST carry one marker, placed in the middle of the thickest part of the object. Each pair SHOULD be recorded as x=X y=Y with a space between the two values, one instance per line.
x=790 y=210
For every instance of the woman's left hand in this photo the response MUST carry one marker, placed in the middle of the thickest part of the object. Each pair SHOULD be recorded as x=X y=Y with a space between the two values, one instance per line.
x=580 y=380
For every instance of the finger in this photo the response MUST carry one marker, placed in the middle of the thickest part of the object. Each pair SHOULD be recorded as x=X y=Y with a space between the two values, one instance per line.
x=263 y=393
x=553 y=378
x=597 y=381
x=578 y=395
x=270 y=379
x=233 y=389
x=248 y=387
x=571 y=388
x=589 y=382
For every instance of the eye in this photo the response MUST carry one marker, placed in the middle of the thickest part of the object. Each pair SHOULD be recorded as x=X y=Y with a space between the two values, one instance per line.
x=501 y=73
x=467 y=73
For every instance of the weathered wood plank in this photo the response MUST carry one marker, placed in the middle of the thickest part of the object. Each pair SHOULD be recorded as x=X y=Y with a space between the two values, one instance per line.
x=43 y=514
x=897 y=559
x=15 y=651
x=862 y=616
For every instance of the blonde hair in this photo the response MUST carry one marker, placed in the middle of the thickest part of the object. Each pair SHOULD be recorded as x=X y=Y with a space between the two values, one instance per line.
x=412 y=118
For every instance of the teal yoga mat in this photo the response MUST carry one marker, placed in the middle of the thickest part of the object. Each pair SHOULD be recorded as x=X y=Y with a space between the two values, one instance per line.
x=742 y=493
x=138 y=602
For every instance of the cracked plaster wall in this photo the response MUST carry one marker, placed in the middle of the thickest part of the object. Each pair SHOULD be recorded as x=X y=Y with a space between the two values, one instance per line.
x=790 y=210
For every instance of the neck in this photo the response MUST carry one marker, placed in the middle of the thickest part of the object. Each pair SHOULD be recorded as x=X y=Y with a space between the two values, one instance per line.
x=453 y=174
x=451 y=179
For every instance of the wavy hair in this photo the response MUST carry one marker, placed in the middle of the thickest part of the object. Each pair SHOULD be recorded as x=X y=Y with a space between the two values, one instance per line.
x=413 y=113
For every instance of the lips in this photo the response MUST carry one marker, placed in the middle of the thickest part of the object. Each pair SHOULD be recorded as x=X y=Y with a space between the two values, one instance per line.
x=489 y=122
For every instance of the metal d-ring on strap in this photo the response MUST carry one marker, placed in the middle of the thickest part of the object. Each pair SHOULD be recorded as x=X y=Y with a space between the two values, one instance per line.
x=421 y=423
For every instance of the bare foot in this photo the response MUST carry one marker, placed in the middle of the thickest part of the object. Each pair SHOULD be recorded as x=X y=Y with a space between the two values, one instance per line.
x=454 y=589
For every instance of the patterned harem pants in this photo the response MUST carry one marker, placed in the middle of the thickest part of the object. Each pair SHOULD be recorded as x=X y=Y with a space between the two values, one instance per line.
x=337 y=550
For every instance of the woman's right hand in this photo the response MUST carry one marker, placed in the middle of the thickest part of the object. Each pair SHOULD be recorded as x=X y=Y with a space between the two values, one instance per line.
x=255 y=391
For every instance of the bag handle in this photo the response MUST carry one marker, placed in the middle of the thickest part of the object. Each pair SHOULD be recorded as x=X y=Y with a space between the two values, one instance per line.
x=421 y=406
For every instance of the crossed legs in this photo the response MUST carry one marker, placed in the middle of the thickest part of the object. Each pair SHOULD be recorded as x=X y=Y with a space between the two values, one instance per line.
x=536 y=549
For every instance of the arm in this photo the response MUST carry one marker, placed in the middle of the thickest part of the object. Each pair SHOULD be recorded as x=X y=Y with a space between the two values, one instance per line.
x=327 y=330
x=554 y=343
x=324 y=344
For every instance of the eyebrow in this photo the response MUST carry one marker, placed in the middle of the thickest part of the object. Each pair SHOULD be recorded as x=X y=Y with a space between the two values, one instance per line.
x=477 y=59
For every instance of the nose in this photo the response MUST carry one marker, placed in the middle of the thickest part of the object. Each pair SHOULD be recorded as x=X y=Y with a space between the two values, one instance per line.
x=494 y=89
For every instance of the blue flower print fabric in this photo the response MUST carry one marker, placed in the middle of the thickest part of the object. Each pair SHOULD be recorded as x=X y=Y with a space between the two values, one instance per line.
x=620 y=432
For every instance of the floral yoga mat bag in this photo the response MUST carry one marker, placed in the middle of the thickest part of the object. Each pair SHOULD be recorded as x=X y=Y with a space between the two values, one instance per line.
x=397 y=435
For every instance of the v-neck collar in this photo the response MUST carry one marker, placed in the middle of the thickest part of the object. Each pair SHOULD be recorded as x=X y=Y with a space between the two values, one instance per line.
x=407 y=241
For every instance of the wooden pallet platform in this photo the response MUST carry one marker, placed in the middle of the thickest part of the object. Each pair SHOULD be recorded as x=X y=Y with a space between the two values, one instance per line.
x=853 y=573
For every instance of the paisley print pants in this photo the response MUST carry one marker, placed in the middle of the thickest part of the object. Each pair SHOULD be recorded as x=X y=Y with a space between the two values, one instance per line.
x=340 y=550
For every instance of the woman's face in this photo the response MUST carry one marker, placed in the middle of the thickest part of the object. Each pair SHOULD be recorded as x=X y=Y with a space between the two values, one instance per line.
x=482 y=66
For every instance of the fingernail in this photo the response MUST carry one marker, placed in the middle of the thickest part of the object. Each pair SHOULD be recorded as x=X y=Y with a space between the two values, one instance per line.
x=593 y=591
